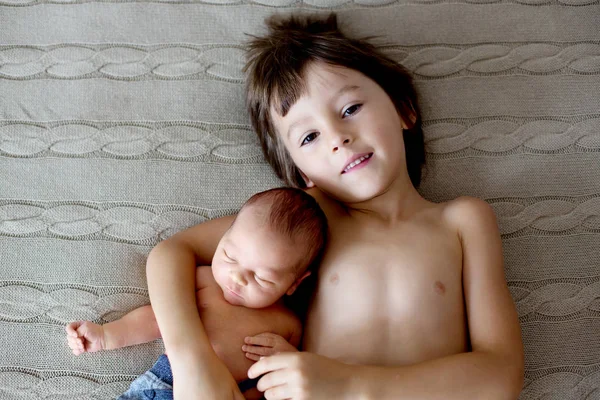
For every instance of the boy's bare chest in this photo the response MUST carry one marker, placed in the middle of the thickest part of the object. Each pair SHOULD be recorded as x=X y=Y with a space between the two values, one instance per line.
x=396 y=294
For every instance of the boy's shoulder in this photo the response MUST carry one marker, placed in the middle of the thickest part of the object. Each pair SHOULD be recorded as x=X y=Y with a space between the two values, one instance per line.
x=466 y=206
x=466 y=212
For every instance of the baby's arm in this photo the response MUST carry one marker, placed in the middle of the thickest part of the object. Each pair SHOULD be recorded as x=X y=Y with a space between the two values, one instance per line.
x=138 y=326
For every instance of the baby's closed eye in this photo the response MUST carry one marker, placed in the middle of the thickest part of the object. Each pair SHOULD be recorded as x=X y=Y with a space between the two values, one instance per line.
x=263 y=282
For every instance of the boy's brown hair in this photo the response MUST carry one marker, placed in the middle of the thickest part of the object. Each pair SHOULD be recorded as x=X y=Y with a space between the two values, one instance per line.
x=275 y=67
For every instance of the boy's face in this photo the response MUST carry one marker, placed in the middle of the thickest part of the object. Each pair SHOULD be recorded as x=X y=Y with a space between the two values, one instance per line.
x=253 y=266
x=329 y=127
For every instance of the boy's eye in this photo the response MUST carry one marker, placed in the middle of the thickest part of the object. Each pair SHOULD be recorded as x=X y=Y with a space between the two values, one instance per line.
x=309 y=138
x=352 y=109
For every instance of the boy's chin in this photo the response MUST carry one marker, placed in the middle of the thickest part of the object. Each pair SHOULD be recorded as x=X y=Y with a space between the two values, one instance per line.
x=358 y=194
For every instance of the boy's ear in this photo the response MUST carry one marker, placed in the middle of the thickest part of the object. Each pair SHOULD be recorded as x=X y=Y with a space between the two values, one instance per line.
x=293 y=288
x=408 y=121
x=308 y=182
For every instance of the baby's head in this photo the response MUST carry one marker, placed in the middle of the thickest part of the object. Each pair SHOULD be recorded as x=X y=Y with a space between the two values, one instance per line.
x=294 y=74
x=276 y=239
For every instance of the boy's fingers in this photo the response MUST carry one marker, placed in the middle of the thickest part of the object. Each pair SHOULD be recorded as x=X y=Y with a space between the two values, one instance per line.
x=269 y=364
x=253 y=357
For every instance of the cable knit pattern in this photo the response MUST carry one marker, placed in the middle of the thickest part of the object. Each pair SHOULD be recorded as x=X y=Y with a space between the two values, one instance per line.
x=126 y=62
x=123 y=122
x=121 y=140
x=130 y=223
x=500 y=136
x=61 y=304
x=549 y=216
x=35 y=384
x=533 y=58
x=122 y=62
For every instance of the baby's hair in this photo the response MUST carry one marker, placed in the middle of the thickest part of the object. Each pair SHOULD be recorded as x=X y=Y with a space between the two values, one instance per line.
x=297 y=216
x=275 y=68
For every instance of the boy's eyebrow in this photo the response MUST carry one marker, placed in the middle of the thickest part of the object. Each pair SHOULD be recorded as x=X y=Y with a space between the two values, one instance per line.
x=344 y=89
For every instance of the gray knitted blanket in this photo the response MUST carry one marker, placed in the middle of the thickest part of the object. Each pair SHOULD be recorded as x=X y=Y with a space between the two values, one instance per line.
x=122 y=122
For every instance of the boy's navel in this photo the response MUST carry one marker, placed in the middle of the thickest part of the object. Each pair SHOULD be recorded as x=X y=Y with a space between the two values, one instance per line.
x=439 y=287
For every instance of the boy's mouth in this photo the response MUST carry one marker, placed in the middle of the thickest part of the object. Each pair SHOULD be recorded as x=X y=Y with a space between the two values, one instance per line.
x=356 y=160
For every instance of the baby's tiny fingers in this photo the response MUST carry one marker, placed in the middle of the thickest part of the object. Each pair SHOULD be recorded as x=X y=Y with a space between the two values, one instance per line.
x=252 y=356
x=71 y=329
x=260 y=340
x=261 y=351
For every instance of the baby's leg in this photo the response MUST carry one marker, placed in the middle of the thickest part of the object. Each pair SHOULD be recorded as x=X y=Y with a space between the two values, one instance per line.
x=156 y=383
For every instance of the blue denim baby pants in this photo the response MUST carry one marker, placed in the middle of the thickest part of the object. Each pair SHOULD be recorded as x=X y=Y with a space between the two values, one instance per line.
x=157 y=383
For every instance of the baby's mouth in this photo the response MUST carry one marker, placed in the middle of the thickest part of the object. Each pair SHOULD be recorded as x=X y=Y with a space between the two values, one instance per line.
x=233 y=292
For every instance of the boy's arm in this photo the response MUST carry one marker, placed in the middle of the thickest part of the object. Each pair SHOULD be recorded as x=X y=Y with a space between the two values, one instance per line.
x=492 y=370
x=138 y=326
x=171 y=272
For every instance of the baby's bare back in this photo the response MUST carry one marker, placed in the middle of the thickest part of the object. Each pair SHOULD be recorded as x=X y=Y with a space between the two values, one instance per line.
x=227 y=325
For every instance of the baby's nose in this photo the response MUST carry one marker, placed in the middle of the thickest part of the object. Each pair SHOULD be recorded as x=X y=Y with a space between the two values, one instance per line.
x=237 y=277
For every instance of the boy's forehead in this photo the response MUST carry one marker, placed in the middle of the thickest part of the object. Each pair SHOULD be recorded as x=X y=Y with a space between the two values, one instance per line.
x=319 y=81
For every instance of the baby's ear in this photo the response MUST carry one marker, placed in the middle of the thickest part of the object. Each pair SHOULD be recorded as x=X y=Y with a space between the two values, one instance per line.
x=293 y=288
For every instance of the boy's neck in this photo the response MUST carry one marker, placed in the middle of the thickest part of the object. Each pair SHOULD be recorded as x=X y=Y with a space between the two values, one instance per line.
x=398 y=203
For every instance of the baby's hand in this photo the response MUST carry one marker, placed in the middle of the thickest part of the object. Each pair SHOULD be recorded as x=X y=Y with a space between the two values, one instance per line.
x=265 y=344
x=85 y=336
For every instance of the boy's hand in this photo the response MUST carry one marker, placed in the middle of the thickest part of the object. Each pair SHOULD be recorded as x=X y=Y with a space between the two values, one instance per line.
x=303 y=375
x=265 y=344
x=85 y=336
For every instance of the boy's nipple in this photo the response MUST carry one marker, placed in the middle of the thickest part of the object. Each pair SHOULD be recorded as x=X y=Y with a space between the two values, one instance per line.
x=335 y=278
x=439 y=287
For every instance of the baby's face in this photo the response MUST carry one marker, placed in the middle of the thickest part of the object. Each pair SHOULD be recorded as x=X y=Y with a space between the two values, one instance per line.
x=254 y=266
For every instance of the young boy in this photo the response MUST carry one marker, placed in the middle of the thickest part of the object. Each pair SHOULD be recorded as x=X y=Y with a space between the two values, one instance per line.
x=265 y=254
x=411 y=301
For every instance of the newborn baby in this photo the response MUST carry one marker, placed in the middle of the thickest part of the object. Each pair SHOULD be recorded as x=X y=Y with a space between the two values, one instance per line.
x=275 y=239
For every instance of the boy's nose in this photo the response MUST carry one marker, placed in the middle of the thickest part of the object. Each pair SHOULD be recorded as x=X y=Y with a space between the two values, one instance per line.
x=337 y=143
x=237 y=277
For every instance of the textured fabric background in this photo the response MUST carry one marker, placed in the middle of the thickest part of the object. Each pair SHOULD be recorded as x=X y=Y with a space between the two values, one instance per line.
x=122 y=122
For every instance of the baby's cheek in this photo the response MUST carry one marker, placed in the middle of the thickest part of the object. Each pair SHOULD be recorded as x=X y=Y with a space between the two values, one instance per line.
x=264 y=299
